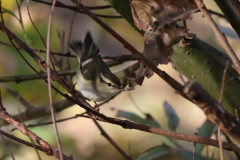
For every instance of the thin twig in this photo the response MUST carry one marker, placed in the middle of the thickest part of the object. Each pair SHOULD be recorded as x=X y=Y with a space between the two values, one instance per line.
x=223 y=82
x=68 y=48
x=43 y=51
x=135 y=103
x=220 y=36
x=34 y=25
x=20 y=20
x=73 y=8
x=236 y=113
x=49 y=81
x=19 y=79
x=129 y=148
x=229 y=141
x=48 y=149
x=194 y=148
x=73 y=117
x=220 y=102
x=8 y=149
x=16 y=95
x=21 y=141
x=220 y=143
x=182 y=78
x=72 y=72
x=25 y=128
x=217 y=14
x=109 y=139
x=189 y=138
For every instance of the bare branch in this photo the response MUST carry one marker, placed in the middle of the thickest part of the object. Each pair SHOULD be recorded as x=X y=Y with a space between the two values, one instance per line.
x=235 y=4
x=22 y=141
x=38 y=112
x=16 y=95
x=173 y=83
x=190 y=138
x=213 y=110
x=229 y=13
x=109 y=139
x=48 y=149
x=49 y=81
x=8 y=149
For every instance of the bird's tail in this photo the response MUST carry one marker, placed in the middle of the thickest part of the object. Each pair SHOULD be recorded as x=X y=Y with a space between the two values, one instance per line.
x=85 y=50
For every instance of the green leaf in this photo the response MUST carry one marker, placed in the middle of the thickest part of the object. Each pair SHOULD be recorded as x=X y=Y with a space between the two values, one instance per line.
x=165 y=152
x=206 y=130
x=133 y=117
x=9 y=12
x=173 y=119
x=155 y=152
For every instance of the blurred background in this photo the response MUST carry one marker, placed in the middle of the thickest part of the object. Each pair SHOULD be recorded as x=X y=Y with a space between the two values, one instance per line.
x=80 y=137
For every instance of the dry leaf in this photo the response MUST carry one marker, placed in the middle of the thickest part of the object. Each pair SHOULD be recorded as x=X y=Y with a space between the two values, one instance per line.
x=164 y=11
x=159 y=37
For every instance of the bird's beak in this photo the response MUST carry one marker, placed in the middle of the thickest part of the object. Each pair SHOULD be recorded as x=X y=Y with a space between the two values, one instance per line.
x=121 y=89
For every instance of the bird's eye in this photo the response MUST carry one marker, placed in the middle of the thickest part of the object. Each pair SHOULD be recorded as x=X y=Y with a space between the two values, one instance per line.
x=109 y=84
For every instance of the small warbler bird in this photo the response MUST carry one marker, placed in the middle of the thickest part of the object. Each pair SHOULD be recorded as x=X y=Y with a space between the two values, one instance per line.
x=94 y=79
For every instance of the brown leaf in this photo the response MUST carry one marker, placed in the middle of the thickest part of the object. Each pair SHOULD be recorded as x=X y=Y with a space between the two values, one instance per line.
x=141 y=15
x=158 y=49
x=159 y=39
x=165 y=11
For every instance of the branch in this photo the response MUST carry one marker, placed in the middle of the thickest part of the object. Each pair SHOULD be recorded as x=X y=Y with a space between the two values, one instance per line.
x=81 y=102
x=73 y=117
x=235 y=4
x=48 y=149
x=6 y=145
x=190 y=138
x=16 y=95
x=120 y=74
x=39 y=112
x=203 y=62
x=168 y=79
x=104 y=134
x=23 y=78
x=73 y=8
x=231 y=16
x=213 y=110
x=49 y=81
x=22 y=141
x=42 y=51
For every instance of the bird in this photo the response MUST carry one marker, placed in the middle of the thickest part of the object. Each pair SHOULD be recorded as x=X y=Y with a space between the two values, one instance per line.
x=94 y=79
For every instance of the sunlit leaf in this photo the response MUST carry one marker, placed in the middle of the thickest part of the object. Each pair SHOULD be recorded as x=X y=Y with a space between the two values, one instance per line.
x=173 y=119
x=133 y=117
x=9 y=12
